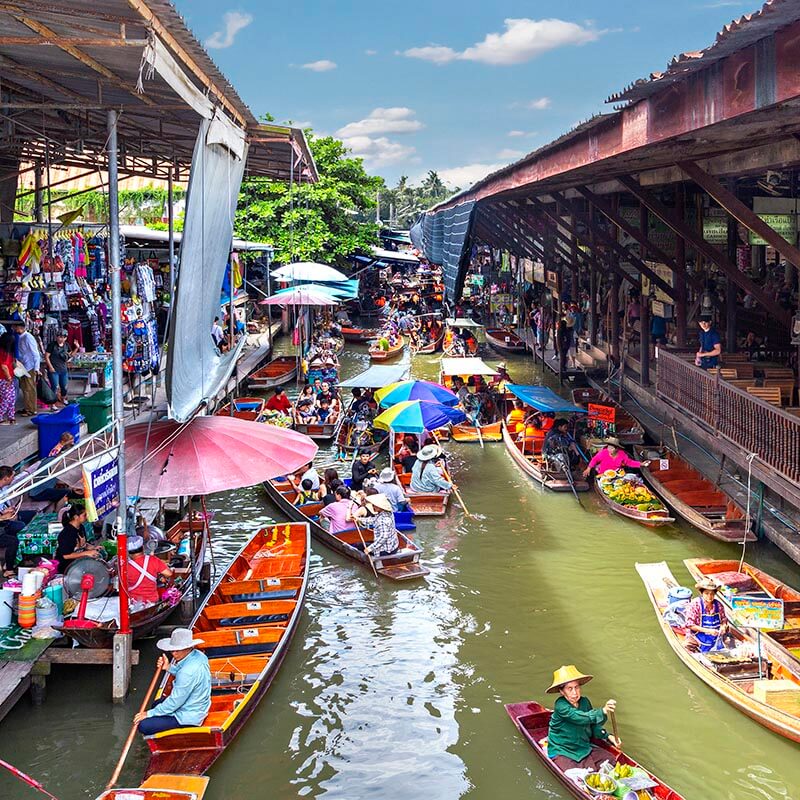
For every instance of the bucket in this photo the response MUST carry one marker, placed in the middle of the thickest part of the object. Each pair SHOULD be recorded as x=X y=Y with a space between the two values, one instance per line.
x=6 y=607
x=679 y=593
x=27 y=611
x=47 y=614
x=55 y=592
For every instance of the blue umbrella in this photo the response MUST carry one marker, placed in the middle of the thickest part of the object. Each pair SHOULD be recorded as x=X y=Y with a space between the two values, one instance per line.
x=418 y=416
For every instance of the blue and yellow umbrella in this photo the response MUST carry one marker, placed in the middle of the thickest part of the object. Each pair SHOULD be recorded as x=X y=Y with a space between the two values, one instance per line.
x=418 y=416
x=415 y=390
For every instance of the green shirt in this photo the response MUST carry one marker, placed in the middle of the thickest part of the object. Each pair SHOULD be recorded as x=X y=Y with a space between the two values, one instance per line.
x=572 y=729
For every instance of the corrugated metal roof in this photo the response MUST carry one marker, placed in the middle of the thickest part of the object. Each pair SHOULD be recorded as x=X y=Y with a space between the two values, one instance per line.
x=737 y=35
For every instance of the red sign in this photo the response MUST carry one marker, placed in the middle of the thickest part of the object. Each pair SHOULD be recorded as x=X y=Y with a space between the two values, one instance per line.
x=602 y=413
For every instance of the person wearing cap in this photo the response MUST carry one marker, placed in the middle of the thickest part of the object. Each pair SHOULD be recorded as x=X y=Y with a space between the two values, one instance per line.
x=502 y=377
x=188 y=703
x=574 y=723
x=611 y=457
x=388 y=485
x=707 y=356
x=705 y=617
x=426 y=476
x=143 y=573
x=376 y=510
x=56 y=356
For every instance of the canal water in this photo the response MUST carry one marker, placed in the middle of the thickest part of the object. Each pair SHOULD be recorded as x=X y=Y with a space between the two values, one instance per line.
x=396 y=691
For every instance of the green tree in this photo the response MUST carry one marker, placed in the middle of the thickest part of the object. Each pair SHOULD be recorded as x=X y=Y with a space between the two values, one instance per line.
x=402 y=204
x=322 y=221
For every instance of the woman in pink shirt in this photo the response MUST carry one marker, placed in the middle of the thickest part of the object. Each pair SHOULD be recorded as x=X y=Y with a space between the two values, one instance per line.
x=611 y=457
x=336 y=512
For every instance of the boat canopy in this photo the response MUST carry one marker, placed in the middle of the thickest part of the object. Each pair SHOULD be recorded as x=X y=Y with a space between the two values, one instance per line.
x=463 y=322
x=543 y=399
x=376 y=377
x=466 y=366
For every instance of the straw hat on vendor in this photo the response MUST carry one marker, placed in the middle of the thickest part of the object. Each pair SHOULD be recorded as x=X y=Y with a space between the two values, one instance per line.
x=429 y=452
x=377 y=502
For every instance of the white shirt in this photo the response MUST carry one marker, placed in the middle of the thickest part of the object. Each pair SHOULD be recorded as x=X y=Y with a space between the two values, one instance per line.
x=216 y=333
x=312 y=475
x=29 y=353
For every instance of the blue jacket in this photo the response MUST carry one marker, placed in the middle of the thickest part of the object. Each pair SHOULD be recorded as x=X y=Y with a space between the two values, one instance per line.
x=190 y=699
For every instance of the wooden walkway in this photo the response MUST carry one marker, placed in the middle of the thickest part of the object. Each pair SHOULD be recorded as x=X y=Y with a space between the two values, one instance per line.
x=15 y=680
x=549 y=358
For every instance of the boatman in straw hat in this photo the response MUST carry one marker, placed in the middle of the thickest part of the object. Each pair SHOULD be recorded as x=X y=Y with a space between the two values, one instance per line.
x=388 y=485
x=377 y=512
x=705 y=618
x=188 y=703
x=574 y=723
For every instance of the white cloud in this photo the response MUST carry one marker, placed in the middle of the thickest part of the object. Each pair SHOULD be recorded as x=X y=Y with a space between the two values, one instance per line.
x=540 y=104
x=521 y=41
x=397 y=119
x=233 y=22
x=509 y=153
x=468 y=174
x=323 y=65
x=516 y=134
x=379 y=151
x=370 y=52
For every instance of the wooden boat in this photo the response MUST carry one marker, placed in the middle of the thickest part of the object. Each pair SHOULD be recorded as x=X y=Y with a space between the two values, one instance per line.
x=162 y=787
x=248 y=408
x=773 y=700
x=359 y=334
x=784 y=643
x=533 y=465
x=626 y=428
x=423 y=504
x=430 y=347
x=376 y=354
x=533 y=720
x=692 y=496
x=466 y=433
x=146 y=620
x=650 y=519
x=319 y=431
x=280 y=370
x=374 y=439
x=504 y=340
x=403 y=565
x=246 y=624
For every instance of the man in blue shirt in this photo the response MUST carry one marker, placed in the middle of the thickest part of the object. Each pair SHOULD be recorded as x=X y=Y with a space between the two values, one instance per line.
x=707 y=357
x=188 y=703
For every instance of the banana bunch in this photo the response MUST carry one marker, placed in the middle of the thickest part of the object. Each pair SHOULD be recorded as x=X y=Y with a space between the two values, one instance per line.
x=622 y=771
x=627 y=494
x=600 y=783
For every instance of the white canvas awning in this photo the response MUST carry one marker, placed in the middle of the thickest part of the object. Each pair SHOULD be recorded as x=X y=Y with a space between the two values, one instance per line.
x=466 y=366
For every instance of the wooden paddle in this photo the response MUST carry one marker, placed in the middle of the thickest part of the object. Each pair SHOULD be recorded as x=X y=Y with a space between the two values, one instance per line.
x=129 y=741
x=613 y=716
x=448 y=478
x=366 y=552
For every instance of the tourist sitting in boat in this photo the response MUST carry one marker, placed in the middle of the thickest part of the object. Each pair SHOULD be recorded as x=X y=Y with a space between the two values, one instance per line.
x=279 y=401
x=359 y=403
x=336 y=513
x=363 y=469
x=343 y=318
x=72 y=539
x=574 y=723
x=407 y=453
x=460 y=388
x=611 y=457
x=330 y=480
x=531 y=433
x=306 y=493
x=307 y=393
x=188 y=703
x=559 y=444
x=705 y=618
x=144 y=571
x=377 y=513
x=330 y=394
x=388 y=485
x=305 y=412
x=325 y=414
x=427 y=476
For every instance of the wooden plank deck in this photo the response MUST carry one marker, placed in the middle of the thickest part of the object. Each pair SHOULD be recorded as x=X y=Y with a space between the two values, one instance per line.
x=15 y=680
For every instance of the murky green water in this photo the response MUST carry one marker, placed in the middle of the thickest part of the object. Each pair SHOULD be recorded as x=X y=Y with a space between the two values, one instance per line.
x=396 y=691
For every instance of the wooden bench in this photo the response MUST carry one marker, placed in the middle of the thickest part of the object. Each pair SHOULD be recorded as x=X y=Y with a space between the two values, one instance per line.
x=769 y=394
x=781 y=373
x=784 y=385
x=736 y=358
x=727 y=373
x=745 y=370
x=743 y=383
x=794 y=411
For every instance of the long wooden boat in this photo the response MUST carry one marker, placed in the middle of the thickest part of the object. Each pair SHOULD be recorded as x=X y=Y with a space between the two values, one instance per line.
x=772 y=700
x=650 y=519
x=403 y=565
x=692 y=496
x=533 y=721
x=626 y=427
x=504 y=340
x=345 y=443
x=424 y=504
x=754 y=582
x=466 y=433
x=432 y=346
x=146 y=620
x=162 y=787
x=359 y=334
x=280 y=370
x=319 y=431
x=376 y=354
x=534 y=466
x=247 y=408
x=246 y=624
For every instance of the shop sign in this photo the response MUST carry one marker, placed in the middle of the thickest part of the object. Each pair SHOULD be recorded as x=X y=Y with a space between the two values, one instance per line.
x=600 y=413
x=101 y=484
x=658 y=232
x=715 y=228
x=553 y=280
x=757 y=612
x=785 y=225
x=538 y=271
x=663 y=310
x=663 y=272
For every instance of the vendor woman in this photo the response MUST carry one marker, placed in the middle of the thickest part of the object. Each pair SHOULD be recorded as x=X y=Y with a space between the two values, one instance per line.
x=72 y=540
x=612 y=457
x=574 y=723
x=705 y=617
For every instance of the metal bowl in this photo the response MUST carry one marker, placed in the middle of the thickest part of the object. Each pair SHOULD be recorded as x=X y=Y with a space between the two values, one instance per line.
x=600 y=791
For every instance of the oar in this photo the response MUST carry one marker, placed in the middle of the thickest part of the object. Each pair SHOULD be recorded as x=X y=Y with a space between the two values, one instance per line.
x=366 y=552
x=613 y=716
x=26 y=778
x=570 y=478
x=129 y=740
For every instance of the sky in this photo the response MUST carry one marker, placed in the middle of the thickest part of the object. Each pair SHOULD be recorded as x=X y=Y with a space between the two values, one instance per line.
x=462 y=88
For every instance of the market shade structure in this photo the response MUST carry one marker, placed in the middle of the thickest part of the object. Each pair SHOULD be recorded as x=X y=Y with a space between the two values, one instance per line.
x=466 y=366
x=418 y=416
x=375 y=377
x=338 y=292
x=210 y=454
x=301 y=296
x=543 y=399
x=415 y=390
x=308 y=271
x=462 y=322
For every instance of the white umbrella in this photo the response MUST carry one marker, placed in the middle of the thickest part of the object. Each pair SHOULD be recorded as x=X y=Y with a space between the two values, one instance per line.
x=308 y=271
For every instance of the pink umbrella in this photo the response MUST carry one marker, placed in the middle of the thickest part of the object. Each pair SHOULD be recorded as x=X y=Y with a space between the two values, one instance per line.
x=300 y=296
x=210 y=454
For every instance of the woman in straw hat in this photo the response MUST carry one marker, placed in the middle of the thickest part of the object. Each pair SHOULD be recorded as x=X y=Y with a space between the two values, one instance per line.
x=705 y=617
x=426 y=476
x=376 y=510
x=574 y=723
x=611 y=457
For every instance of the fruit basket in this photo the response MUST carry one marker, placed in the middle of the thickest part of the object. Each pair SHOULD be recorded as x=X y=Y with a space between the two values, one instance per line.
x=600 y=783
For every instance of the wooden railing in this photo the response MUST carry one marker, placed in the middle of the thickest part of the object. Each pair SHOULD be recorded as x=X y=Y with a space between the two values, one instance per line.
x=750 y=423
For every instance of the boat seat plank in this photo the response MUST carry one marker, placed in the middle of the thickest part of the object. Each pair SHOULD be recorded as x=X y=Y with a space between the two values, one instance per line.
x=253 y=608
x=249 y=597
x=240 y=650
x=245 y=621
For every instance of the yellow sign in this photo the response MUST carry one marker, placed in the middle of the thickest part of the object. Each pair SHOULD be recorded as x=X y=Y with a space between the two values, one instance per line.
x=758 y=612
x=663 y=272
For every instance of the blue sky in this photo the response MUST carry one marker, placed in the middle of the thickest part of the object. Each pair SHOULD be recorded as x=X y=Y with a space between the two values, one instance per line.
x=459 y=87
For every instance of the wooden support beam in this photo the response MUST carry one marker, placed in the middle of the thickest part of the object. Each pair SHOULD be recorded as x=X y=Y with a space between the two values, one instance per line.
x=679 y=277
x=522 y=230
x=499 y=236
x=520 y=244
x=33 y=41
x=81 y=655
x=739 y=211
x=703 y=247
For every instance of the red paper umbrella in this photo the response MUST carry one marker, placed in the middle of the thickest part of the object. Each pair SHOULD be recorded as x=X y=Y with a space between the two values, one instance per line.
x=209 y=454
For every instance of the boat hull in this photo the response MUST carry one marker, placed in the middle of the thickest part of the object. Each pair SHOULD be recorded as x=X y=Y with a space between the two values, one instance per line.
x=321 y=432
x=358 y=334
x=469 y=433
x=376 y=354
x=279 y=371
x=431 y=347
x=504 y=341
x=650 y=519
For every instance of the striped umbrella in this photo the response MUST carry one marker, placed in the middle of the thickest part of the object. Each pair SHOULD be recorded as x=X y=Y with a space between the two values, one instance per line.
x=418 y=416
x=415 y=390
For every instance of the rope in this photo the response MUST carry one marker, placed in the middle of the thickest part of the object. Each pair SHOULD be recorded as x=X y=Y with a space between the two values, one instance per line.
x=750 y=458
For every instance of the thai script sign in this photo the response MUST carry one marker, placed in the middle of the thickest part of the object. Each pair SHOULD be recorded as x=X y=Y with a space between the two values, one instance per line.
x=101 y=484
x=757 y=612
x=602 y=413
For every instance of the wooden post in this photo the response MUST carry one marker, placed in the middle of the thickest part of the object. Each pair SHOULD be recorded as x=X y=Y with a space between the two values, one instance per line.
x=593 y=306
x=121 y=667
x=613 y=304
x=679 y=276
x=730 y=289
x=644 y=311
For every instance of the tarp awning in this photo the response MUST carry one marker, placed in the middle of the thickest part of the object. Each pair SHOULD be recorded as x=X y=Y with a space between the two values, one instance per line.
x=543 y=399
x=376 y=377
x=466 y=366
x=463 y=322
